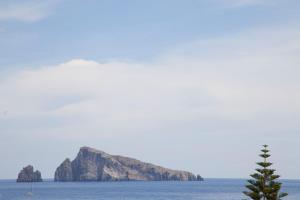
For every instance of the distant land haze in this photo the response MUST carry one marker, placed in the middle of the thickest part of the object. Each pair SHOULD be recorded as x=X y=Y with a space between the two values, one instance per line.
x=95 y=165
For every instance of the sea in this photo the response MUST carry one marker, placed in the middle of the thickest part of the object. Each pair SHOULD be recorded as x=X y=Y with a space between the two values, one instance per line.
x=210 y=189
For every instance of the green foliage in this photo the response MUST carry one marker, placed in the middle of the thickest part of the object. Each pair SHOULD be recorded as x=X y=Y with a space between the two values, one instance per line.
x=263 y=185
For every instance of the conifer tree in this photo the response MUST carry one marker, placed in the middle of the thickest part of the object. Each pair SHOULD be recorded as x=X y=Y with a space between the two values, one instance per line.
x=264 y=185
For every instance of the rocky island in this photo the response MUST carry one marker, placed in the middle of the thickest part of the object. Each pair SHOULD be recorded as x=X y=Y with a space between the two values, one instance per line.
x=27 y=174
x=95 y=165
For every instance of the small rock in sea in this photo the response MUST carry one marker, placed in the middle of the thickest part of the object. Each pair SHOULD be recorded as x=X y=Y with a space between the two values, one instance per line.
x=27 y=174
x=199 y=178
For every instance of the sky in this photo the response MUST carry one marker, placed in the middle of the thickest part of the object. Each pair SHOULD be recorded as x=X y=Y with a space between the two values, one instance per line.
x=191 y=85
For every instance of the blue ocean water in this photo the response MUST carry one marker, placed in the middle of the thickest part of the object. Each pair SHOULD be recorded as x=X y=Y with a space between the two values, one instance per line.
x=210 y=189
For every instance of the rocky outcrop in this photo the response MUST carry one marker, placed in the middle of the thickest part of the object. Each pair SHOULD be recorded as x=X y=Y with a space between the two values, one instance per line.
x=27 y=174
x=199 y=178
x=94 y=165
x=65 y=171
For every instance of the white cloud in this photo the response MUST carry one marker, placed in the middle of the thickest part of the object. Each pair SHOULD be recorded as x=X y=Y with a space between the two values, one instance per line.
x=224 y=79
x=244 y=88
x=26 y=11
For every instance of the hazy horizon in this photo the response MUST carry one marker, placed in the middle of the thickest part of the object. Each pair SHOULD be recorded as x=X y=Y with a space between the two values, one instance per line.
x=192 y=85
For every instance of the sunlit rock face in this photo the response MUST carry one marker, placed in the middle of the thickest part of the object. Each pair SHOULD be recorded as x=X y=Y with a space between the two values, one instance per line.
x=94 y=165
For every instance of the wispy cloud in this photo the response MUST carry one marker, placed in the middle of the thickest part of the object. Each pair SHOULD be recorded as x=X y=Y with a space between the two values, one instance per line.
x=243 y=77
x=26 y=11
x=243 y=87
x=242 y=3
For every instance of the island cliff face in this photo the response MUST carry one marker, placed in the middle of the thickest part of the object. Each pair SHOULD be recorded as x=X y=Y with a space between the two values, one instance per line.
x=27 y=174
x=64 y=172
x=94 y=165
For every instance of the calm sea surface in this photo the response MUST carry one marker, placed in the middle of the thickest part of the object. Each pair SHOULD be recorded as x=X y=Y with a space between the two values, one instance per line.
x=210 y=189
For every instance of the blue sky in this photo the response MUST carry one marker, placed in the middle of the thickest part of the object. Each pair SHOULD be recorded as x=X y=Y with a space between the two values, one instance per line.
x=205 y=82
x=139 y=30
